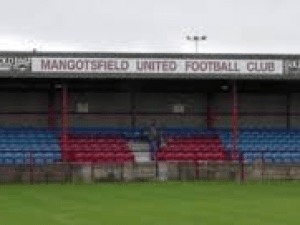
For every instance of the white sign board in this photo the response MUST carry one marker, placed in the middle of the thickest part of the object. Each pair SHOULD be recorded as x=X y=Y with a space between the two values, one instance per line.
x=166 y=66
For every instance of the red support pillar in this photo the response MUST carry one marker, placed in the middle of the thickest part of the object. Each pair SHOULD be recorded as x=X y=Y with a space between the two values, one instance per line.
x=235 y=153
x=64 y=115
x=234 y=120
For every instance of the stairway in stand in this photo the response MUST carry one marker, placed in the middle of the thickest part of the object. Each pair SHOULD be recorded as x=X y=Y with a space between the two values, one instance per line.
x=141 y=151
x=144 y=167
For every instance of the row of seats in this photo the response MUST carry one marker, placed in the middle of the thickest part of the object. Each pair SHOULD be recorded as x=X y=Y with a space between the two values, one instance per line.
x=193 y=149
x=196 y=149
x=181 y=156
x=27 y=158
x=193 y=145
x=36 y=161
x=25 y=138
x=98 y=149
x=28 y=155
x=27 y=135
x=266 y=147
x=44 y=132
x=53 y=147
x=280 y=158
x=277 y=134
x=14 y=150
x=39 y=145
x=273 y=155
x=269 y=149
x=95 y=141
x=85 y=157
x=31 y=141
x=193 y=141
x=274 y=146
x=268 y=140
x=95 y=149
x=284 y=135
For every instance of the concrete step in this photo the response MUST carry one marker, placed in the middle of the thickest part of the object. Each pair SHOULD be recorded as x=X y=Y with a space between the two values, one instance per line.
x=139 y=146
x=142 y=157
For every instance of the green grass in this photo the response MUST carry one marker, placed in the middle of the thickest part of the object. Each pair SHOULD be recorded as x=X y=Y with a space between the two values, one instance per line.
x=171 y=203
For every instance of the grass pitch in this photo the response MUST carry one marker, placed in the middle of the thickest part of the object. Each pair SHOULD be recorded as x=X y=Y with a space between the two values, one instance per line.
x=151 y=204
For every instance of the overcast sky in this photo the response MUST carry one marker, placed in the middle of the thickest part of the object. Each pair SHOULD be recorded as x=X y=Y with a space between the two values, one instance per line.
x=231 y=26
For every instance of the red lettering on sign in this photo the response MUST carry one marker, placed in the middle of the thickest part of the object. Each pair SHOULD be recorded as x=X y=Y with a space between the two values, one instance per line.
x=94 y=65
x=55 y=65
x=156 y=66
x=218 y=66
x=211 y=66
x=191 y=65
x=71 y=64
x=101 y=64
x=86 y=62
x=63 y=64
x=46 y=64
x=260 y=66
x=203 y=66
x=110 y=65
x=124 y=65
x=79 y=65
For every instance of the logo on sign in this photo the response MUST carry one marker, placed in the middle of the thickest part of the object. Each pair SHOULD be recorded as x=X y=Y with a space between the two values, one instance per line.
x=292 y=66
x=15 y=64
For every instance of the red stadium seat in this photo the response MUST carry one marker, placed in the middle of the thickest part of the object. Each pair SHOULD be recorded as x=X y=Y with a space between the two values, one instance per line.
x=193 y=149
x=210 y=156
x=179 y=156
x=88 y=157
x=161 y=155
x=99 y=157
x=97 y=150
x=120 y=157
x=105 y=149
x=169 y=156
x=200 y=156
x=188 y=156
x=109 y=157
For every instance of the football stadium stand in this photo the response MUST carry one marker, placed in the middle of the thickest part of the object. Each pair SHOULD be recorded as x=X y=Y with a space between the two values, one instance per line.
x=87 y=109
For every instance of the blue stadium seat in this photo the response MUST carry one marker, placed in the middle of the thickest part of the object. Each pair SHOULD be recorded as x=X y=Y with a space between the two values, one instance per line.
x=296 y=157
x=8 y=161
x=39 y=161
x=19 y=158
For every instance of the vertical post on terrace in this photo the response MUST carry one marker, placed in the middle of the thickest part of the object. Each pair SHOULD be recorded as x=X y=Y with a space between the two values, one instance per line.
x=235 y=154
x=64 y=115
x=64 y=111
x=234 y=118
